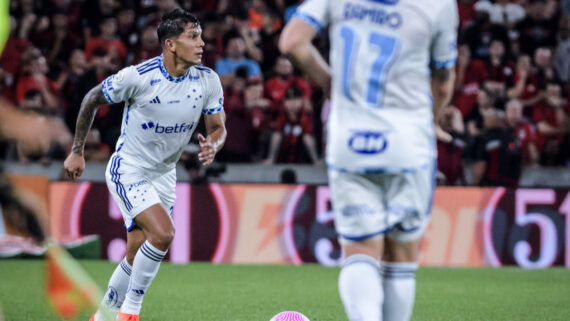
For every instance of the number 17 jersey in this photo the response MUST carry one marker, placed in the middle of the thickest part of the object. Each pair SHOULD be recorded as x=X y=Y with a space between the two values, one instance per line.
x=381 y=51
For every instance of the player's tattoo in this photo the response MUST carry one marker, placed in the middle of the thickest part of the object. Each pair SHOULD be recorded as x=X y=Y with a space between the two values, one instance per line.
x=89 y=106
x=442 y=74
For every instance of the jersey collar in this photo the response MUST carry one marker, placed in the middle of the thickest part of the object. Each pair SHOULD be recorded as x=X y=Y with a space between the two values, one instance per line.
x=167 y=75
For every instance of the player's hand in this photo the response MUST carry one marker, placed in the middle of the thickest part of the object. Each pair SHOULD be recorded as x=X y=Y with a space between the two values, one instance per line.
x=442 y=136
x=206 y=156
x=74 y=165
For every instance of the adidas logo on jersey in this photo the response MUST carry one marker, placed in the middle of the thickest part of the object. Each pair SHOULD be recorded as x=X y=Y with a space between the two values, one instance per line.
x=176 y=129
x=155 y=101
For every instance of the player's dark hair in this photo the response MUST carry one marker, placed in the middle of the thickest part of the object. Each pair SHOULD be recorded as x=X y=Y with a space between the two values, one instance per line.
x=173 y=23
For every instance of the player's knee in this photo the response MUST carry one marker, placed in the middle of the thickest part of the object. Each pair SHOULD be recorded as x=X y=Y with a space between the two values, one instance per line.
x=162 y=238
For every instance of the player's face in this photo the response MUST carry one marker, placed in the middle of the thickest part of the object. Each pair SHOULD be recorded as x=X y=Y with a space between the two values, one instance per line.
x=189 y=45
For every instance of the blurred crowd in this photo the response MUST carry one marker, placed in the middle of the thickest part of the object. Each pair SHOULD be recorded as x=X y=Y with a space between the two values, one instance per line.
x=509 y=109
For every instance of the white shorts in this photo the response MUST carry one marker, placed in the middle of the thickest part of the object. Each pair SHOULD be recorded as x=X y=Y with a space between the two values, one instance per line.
x=371 y=205
x=135 y=190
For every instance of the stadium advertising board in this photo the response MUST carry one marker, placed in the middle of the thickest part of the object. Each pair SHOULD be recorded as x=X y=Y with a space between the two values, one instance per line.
x=292 y=224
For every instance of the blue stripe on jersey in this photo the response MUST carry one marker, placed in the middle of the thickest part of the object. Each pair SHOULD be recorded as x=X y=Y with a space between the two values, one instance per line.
x=105 y=88
x=310 y=20
x=213 y=110
x=379 y=169
x=146 y=64
x=167 y=75
x=147 y=70
x=388 y=2
x=115 y=178
x=203 y=68
x=450 y=63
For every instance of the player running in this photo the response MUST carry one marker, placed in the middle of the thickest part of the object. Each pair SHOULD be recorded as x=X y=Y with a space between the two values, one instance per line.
x=381 y=152
x=164 y=98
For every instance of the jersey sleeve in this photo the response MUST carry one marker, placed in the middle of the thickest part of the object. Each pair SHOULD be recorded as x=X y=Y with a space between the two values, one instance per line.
x=121 y=86
x=214 y=101
x=314 y=12
x=444 y=42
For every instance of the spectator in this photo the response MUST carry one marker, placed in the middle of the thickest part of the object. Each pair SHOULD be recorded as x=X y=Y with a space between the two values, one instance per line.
x=523 y=132
x=293 y=138
x=551 y=124
x=450 y=154
x=235 y=58
x=525 y=87
x=562 y=60
x=149 y=45
x=498 y=158
x=109 y=41
x=213 y=26
x=11 y=57
x=269 y=38
x=535 y=30
x=544 y=69
x=466 y=10
x=486 y=99
x=503 y=12
x=58 y=41
x=478 y=35
x=126 y=29
x=471 y=73
x=95 y=150
x=35 y=68
x=500 y=70
x=94 y=12
x=107 y=120
x=276 y=86
x=68 y=80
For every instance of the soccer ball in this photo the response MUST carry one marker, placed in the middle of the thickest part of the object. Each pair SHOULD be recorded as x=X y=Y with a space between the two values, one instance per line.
x=290 y=316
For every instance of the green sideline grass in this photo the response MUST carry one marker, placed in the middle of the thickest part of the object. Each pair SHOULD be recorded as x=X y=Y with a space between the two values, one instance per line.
x=205 y=292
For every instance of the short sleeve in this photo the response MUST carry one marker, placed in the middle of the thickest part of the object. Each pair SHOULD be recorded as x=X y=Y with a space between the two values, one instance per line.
x=215 y=95
x=444 y=41
x=121 y=86
x=314 y=12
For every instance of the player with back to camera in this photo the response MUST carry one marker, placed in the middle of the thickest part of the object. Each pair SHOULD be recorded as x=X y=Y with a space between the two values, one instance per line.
x=381 y=142
x=164 y=98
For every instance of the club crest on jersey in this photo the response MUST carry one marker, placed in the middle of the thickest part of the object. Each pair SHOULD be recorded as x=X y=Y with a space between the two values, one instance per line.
x=368 y=142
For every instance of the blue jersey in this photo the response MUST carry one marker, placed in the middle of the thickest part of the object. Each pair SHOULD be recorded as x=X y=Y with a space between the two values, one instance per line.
x=161 y=112
x=381 y=52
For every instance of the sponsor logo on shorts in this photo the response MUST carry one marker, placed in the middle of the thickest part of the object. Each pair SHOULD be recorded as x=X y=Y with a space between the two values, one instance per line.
x=368 y=142
x=137 y=184
x=357 y=210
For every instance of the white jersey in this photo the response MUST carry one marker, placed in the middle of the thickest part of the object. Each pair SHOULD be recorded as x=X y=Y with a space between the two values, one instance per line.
x=381 y=51
x=161 y=112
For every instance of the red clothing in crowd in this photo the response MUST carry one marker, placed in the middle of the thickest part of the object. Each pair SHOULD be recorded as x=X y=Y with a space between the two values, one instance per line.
x=466 y=11
x=450 y=160
x=543 y=112
x=11 y=57
x=27 y=83
x=276 y=87
x=292 y=149
x=96 y=42
x=501 y=73
x=525 y=134
x=466 y=97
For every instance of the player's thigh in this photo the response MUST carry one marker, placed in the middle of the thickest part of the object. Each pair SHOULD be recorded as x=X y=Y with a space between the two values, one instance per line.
x=131 y=189
x=165 y=186
x=395 y=251
x=372 y=247
x=358 y=207
x=409 y=199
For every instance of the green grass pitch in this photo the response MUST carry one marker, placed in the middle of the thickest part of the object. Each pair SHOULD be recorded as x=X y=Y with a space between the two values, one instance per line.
x=204 y=292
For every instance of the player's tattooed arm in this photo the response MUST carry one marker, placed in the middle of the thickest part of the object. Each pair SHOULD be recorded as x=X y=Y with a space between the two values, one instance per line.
x=442 y=81
x=89 y=106
x=442 y=74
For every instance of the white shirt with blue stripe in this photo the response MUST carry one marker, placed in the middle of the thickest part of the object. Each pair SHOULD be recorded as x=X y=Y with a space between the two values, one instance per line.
x=161 y=111
x=381 y=52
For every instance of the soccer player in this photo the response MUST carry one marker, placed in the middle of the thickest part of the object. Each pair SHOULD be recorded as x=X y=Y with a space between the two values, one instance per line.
x=164 y=98
x=381 y=152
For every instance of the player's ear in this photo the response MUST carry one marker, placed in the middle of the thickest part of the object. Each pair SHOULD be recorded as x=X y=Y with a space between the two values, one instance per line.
x=170 y=45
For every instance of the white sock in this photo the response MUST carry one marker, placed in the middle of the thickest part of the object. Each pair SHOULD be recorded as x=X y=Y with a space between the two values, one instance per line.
x=399 y=282
x=116 y=291
x=145 y=266
x=359 y=284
